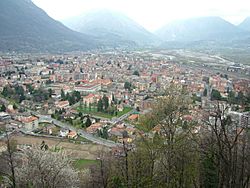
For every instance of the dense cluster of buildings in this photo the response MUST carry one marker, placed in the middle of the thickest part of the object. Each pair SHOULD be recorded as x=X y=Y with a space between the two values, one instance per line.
x=94 y=75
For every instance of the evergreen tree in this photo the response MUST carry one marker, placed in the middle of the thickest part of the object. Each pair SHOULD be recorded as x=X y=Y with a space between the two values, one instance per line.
x=215 y=95
x=205 y=92
x=100 y=106
x=14 y=106
x=88 y=122
x=3 y=108
x=136 y=73
x=105 y=100
x=50 y=93
x=105 y=133
x=90 y=106
x=127 y=85
x=63 y=97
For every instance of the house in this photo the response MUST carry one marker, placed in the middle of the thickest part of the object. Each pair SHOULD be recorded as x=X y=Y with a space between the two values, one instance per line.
x=130 y=130
x=64 y=132
x=120 y=108
x=125 y=140
x=72 y=135
x=62 y=104
x=94 y=127
x=118 y=132
x=133 y=117
x=103 y=82
x=4 y=116
x=49 y=129
x=30 y=122
x=88 y=88
x=90 y=99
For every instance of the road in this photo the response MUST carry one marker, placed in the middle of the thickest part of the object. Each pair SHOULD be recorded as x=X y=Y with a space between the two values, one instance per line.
x=121 y=118
x=80 y=132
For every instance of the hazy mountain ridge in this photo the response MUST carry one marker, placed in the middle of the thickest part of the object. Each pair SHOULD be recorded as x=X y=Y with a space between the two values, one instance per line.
x=245 y=24
x=200 y=29
x=25 y=27
x=111 y=25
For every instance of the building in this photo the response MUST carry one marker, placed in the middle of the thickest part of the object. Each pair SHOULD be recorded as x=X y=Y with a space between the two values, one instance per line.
x=64 y=132
x=88 y=88
x=94 y=127
x=90 y=99
x=4 y=116
x=30 y=122
x=62 y=104
x=72 y=135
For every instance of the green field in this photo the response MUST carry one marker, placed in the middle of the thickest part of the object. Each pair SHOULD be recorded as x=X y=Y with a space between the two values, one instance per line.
x=83 y=163
x=93 y=111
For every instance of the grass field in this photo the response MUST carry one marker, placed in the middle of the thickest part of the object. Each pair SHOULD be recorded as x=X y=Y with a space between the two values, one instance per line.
x=83 y=163
x=93 y=111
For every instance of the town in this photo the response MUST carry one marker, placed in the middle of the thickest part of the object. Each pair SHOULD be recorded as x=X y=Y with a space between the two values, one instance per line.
x=88 y=104
x=101 y=97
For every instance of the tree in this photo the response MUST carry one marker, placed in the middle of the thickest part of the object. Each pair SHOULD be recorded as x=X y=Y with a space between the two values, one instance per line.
x=5 y=91
x=136 y=73
x=215 y=95
x=63 y=97
x=21 y=98
x=50 y=92
x=103 y=133
x=80 y=114
x=3 y=108
x=100 y=105
x=205 y=92
x=105 y=100
x=43 y=168
x=9 y=162
x=231 y=97
x=71 y=100
x=90 y=107
x=178 y=149
x=127 y=85
x=241 y=99
x=88 y=122
x=30 y=88
x=14 y=106
x=226 y=145
x=44 y=146
x=77 y=95
x=167 y=160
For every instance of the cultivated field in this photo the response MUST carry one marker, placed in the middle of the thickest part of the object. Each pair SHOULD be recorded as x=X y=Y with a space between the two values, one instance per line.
x=76 y=151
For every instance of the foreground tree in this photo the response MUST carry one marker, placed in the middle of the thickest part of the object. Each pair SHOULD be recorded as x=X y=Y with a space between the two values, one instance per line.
x=41 y=168
x=8 y=162
x=169 y=158
x=225 y=147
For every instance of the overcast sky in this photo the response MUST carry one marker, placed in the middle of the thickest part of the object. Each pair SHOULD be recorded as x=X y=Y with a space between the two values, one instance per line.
x=151 y=14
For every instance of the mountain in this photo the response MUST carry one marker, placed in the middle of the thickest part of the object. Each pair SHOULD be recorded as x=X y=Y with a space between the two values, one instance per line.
x=245 y=24
x=111 y=27
x=200 y=29
x=25 y=27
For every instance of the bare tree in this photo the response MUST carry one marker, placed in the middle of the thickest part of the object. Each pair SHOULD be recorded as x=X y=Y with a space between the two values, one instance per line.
x=8 y=162
x=227 y=144
x=48 y=169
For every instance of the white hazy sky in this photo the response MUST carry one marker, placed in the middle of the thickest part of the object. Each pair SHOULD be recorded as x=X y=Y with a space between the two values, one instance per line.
x=151 y=14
